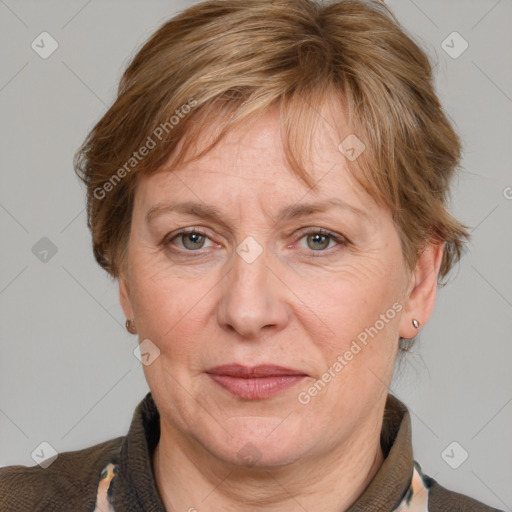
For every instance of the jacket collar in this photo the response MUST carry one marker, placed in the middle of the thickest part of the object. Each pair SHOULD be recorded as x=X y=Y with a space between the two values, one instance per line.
x=392 y=481
x=134 y=488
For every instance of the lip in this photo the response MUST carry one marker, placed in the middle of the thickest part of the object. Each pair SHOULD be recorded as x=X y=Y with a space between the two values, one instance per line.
x=262 y=370
x=256 y=382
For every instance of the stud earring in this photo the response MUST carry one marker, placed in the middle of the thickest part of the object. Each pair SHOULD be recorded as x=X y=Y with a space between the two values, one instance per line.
x=130 y=326
x=415 y=323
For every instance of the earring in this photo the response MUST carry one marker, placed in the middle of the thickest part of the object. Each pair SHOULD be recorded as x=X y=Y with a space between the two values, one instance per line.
x=415 y=323
x=130 y=326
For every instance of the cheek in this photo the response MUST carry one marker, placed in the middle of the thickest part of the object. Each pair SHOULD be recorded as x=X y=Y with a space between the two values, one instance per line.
x=360 y=302
x=360 y=290
x=170 y=310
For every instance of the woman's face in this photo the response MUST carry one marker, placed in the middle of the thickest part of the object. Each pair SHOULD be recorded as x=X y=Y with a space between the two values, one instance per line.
x=322 y=293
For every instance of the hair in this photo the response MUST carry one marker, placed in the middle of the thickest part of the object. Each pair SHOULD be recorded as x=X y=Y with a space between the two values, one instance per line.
x=230 y=60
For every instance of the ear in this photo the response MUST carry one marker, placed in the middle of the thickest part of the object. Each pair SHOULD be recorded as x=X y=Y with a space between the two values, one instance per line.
x=422 y=289
x=124 y=296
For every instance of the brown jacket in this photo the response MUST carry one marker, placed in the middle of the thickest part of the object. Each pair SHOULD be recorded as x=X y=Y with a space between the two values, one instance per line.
x=117 y=475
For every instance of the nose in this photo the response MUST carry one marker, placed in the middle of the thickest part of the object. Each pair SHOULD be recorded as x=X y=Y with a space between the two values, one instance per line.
x=253 y=295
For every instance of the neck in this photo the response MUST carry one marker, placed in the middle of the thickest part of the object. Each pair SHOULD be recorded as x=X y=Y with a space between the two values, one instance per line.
x=189 y=478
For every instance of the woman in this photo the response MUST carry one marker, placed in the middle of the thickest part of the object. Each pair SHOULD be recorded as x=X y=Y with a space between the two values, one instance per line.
x=269 y=189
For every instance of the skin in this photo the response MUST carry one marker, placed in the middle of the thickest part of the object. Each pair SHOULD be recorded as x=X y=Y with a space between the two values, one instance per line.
x=287 y=308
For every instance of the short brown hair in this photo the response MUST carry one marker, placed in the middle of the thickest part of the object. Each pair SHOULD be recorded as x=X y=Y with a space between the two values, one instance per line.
x=235 y=59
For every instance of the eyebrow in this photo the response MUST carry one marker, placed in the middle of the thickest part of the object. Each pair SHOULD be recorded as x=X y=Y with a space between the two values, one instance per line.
x=289 y=212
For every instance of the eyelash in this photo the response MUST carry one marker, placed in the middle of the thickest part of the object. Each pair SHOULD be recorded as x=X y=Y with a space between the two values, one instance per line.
x=341 y=241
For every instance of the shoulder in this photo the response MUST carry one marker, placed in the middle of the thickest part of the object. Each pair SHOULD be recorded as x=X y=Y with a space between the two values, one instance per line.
x=69 y=483
x=441 y=499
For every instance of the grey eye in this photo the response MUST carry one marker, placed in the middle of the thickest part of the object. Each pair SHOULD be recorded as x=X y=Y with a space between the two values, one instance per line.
x=192 y=240
x=318 y=241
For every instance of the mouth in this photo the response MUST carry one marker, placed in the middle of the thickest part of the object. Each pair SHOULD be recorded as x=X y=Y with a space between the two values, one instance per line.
x=257 y=382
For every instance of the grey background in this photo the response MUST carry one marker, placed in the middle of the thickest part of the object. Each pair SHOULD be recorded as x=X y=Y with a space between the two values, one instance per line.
x=68 y=375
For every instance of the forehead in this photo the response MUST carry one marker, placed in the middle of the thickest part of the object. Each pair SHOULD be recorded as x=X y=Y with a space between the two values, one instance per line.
x=250 y=162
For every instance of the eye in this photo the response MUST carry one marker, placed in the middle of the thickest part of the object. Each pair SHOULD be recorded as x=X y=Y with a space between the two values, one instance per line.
x=194 y=239
x=191 y=239
x=318 y=240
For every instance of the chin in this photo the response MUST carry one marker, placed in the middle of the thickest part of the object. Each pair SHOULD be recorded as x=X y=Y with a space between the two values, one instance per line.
x=259 y=442
x=252 y=455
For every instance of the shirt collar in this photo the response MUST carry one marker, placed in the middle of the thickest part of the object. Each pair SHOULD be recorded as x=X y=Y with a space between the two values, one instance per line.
x=134 y=487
